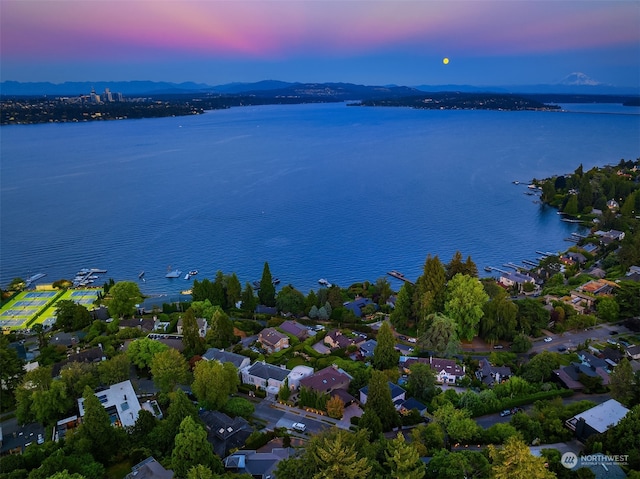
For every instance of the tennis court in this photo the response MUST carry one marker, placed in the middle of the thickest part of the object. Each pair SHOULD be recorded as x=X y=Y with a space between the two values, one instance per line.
x=30 y=307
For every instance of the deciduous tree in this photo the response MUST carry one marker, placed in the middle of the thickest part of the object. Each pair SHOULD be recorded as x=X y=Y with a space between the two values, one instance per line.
x=141 y=351
x=124 y=295
x=191 y=339
x=169 y=368
x=440 y=334
x=290 y=300
x=464 y=303
x=114 y=370
x=214 y=382
x=515 y=461
x=422 y=382
x=220 y=334
x=621 y=382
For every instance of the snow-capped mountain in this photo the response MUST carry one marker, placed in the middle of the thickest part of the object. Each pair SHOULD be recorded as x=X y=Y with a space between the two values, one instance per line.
x=579 y=79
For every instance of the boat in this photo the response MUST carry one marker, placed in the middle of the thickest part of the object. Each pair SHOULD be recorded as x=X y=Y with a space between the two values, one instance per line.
x=276 y=281
x=488 y=269
x=324 y=282
x=141 y=275
x=173 y=274
x=193 y=272
x=187 y=276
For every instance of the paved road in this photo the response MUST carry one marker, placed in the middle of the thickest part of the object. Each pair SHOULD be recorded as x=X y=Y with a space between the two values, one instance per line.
x=571 y=339
x=279 y=415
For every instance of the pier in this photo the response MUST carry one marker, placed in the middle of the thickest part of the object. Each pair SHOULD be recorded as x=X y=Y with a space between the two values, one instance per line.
x=530 y=263
x=398 y=275
x=493 y=268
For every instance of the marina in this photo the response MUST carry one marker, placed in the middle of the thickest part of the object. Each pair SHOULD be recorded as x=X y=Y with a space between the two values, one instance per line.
x=87 y=276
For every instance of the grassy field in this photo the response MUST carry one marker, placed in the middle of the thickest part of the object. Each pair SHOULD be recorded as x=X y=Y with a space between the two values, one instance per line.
x=38 y=307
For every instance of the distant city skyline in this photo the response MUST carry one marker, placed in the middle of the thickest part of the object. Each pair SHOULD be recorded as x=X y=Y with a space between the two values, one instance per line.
x=512 y=42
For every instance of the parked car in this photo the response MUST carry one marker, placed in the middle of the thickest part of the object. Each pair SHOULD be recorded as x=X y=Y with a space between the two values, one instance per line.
x=548 y=340
x=506 y=412
x=562 y=349
x=298 y=426
x=613 y=333
x=498 y=346
x=40 y=439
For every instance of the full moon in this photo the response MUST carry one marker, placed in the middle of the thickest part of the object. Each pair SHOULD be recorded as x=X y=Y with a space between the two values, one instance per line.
x=445 y=60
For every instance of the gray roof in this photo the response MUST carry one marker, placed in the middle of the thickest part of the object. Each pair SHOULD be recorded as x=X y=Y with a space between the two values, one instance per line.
x=603 y=416
x=224 y=357
x=268 y=371
x=149 y=469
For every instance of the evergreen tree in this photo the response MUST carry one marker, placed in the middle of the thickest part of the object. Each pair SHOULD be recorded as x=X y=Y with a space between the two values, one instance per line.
x=96 y=435
x=192 y=449
x=379 y=401
x=221 y=333
x=385 y=355
x=337 y=459
x=234 y=291
x=429 y=291
x=219 y=291
x=403 y=459
x=401 y=315
x=248 y=298
x=267 y=293
x=193 y=342
x=440 y=335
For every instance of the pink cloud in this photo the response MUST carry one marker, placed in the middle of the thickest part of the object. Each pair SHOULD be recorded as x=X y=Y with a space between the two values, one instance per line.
x=283 y=29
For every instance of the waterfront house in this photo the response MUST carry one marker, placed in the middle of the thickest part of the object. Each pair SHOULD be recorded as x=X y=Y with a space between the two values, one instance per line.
x=273 y=340
x=633 y=352
x=516 y=279
x=598 y=287
x=357 y=306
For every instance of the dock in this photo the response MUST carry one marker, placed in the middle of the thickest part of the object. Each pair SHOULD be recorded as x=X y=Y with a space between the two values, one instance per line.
x=530 y=263
x=511 y=265
x=493 y=268
x=397 y=275
x=32 y=279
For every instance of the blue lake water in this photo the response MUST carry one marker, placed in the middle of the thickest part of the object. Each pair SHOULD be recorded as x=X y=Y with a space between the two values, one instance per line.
x=318 y=191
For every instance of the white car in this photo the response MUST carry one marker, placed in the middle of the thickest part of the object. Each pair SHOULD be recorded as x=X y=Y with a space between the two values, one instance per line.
x=548 y=340
x=298 y=426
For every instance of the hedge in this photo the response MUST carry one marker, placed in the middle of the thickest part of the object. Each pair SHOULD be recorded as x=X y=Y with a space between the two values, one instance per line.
x=507 y=403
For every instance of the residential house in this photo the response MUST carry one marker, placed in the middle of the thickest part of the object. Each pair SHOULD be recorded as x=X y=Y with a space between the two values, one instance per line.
x=589 y=248
x=403 y=349
x=146 y=325
x=598 y=287
x=408 y=405
x=149 y=469
x=88 y=356
x=327 y=380
x=203 y=326
x=398 y=394
x=597 y=420
x=367 y=347
x=238 y=360
x=297 y=374
x=490 y=374
x=223 y=432
x=20 y=439
x=515 y=279
x=570 y=375
x=608 y=237
x=633 y=352
x=336 y=340
x=273 y=340
x=357 y=306
x=259 y=465
x=447 y=371
x=265 y=376
x=120 y=401
x=268 y=310
x=296 y=329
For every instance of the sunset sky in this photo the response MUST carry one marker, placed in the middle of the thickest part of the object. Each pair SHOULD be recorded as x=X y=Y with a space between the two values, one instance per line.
x=505 y=42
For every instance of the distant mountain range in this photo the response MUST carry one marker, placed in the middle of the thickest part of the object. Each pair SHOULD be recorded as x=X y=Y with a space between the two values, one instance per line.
x=575 y=83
